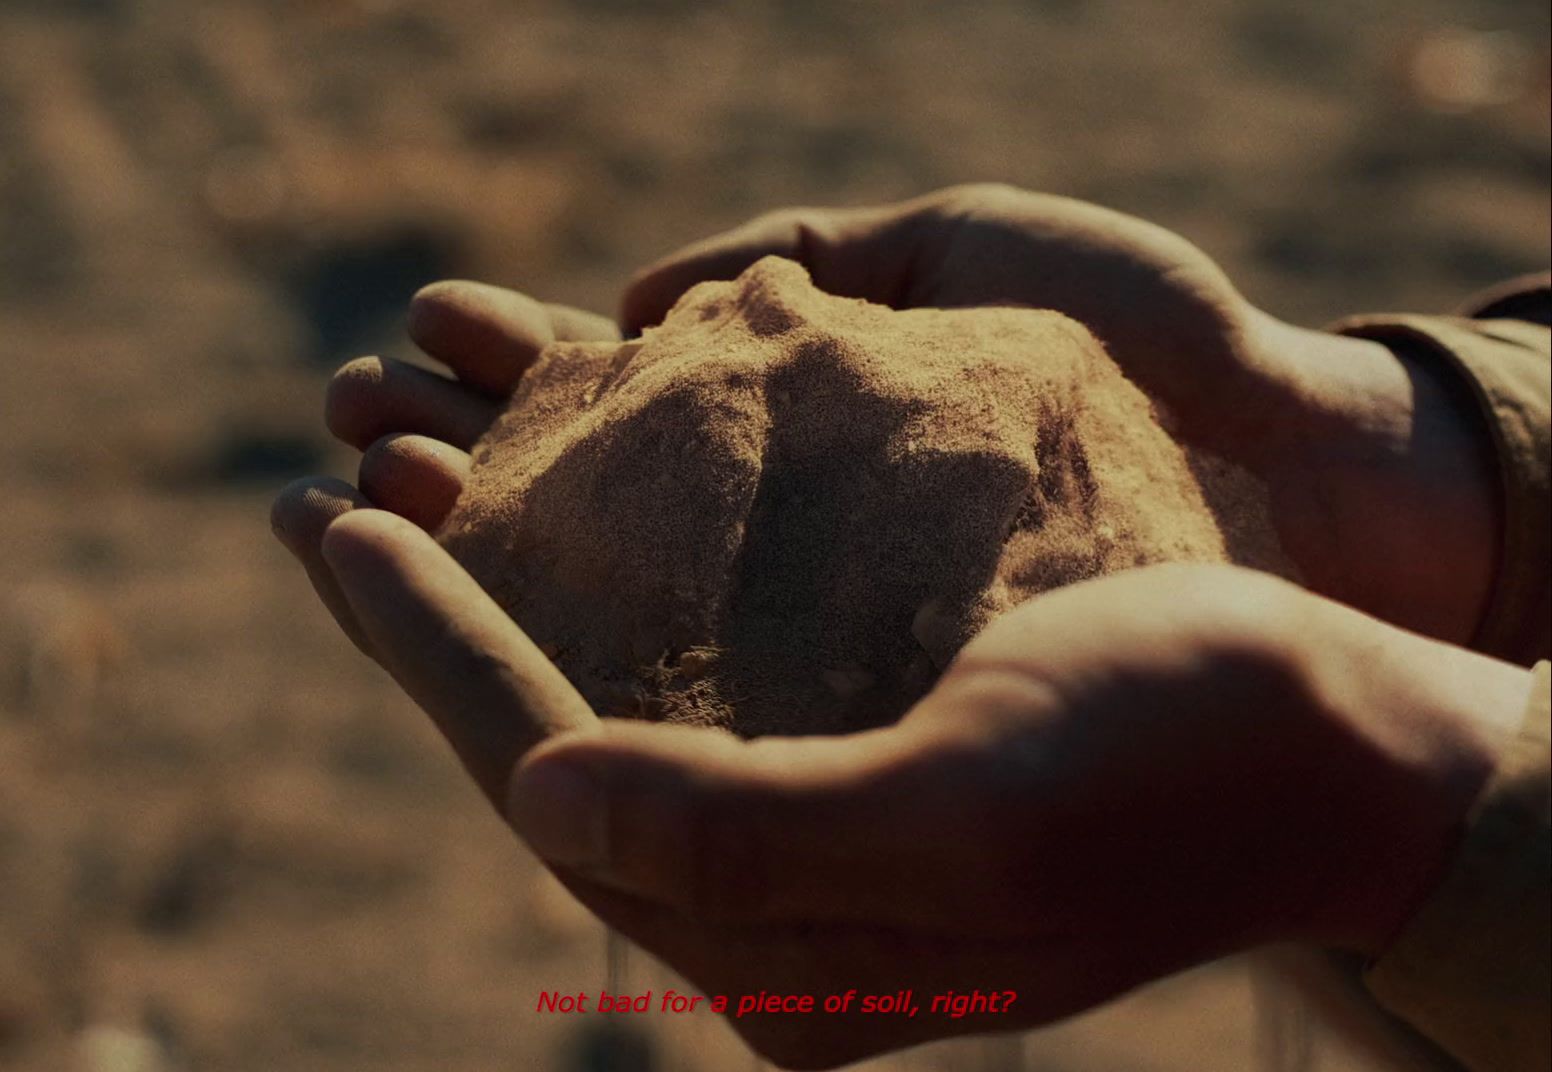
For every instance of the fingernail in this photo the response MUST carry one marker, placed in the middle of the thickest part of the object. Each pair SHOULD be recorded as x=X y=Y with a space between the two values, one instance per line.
x=559 y=810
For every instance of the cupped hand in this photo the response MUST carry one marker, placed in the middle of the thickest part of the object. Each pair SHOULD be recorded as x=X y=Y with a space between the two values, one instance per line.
x=1113 y=782
x=415 y=427
x=1378 y=468
x=1117 y=780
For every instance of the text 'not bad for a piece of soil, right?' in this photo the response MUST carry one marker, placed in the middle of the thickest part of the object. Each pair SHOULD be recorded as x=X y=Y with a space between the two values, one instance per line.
x=952 y=1004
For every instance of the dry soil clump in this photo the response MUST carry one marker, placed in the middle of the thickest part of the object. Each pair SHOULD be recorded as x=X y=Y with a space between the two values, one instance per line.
x=784 y=511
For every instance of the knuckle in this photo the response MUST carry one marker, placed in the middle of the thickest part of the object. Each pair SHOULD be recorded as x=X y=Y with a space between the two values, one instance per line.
x=798 y=224
x=1230 y=601
x=791 y=216
x=974 y=196
x=1242 y=620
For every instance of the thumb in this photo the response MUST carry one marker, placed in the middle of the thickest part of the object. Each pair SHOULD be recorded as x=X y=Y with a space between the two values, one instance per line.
x=489 y=690
x=740 y=832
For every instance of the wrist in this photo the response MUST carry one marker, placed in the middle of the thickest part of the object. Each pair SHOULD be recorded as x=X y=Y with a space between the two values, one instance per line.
x=1383 y=480
x=1429 y=723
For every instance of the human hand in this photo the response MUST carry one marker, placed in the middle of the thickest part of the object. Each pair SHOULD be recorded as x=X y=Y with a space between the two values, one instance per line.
x=1115 y=781
x=1368 y=416
x=1380 y=474
x=415 y=427
x=1380 y=478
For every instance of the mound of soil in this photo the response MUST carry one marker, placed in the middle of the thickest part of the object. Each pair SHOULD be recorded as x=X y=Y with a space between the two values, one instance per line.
x=783 y=511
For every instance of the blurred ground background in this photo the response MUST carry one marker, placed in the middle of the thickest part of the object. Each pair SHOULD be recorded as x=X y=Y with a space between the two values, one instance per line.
x=225 y=841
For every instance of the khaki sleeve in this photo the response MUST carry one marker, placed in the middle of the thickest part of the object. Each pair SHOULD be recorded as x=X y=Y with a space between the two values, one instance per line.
x=1499 y=353
x=1470 y=971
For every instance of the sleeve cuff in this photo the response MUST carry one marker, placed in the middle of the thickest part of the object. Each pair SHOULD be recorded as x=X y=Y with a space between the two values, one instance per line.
x=1503 y=363
x=1470 y=970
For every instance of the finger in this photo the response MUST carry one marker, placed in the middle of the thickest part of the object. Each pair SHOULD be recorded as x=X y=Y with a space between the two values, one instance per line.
x=299 y=516
x=856 y=252
x=488 y=689
x=489 y=336
x=863 y=827
x=371 y=397
x=415 y=477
